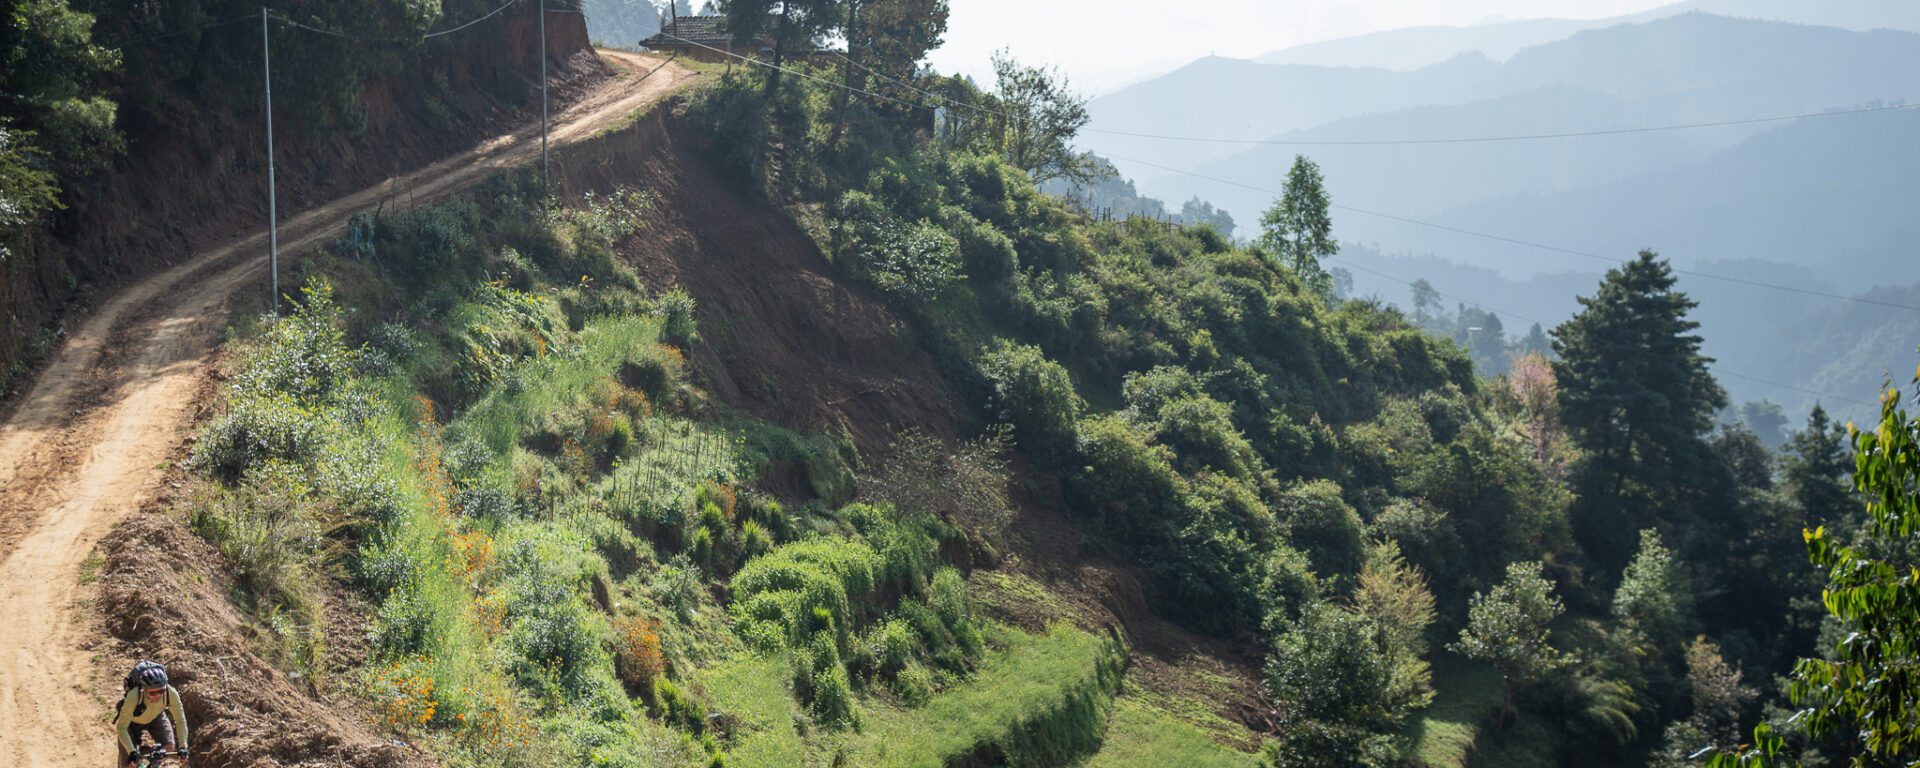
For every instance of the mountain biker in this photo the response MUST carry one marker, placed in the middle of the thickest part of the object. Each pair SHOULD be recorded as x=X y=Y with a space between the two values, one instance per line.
x=148 y=696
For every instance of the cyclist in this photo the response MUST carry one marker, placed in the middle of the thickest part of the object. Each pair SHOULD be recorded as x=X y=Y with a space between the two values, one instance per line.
x=149 y=696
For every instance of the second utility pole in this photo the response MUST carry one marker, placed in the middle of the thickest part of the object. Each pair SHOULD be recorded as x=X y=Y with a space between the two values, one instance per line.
x=273 y=207
x=546 y=171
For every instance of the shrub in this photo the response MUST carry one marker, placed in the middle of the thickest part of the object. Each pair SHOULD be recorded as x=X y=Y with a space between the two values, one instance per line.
x=677 y=585
x=675 y=309
x=403 y=625
x=265 y=427
x=637 y=656
x=1035 y=395
x=780 y=599
x=916 y=260
x=913 y=686
x=1325 y=527
x=988 y=255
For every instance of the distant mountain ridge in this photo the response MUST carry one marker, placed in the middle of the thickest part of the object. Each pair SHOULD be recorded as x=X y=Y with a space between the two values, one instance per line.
x=1415 y=47
x=1684 y=69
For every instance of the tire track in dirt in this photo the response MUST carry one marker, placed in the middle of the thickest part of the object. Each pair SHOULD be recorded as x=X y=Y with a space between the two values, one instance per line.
x=87 y=443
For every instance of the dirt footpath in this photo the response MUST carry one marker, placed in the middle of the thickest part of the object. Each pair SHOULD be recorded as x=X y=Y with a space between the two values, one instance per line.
x=89 y=442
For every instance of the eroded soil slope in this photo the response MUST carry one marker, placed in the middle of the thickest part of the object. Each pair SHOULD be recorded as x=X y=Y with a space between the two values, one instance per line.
x=781 y=337
x=785 y=339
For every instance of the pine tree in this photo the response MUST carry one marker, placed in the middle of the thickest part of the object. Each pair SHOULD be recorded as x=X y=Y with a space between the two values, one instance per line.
x=1815 y=466
x=1636 y=396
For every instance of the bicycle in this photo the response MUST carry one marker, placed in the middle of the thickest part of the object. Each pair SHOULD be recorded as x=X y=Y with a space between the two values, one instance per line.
x=150 y=755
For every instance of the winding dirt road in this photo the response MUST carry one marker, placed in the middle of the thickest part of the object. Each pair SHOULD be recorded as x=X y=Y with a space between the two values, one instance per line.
x=88 y=444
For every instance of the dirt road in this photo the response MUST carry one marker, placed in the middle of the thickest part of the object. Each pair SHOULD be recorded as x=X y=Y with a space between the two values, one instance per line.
x=87 y=445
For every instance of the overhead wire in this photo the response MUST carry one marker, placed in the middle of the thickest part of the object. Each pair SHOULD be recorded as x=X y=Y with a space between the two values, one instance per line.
x=180 y=32
x=1457 y=230
x=1527 y=243
x=1520 y=137
x=366 y=39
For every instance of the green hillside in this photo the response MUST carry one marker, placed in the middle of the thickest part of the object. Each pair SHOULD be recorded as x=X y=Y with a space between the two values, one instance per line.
x=793 y=425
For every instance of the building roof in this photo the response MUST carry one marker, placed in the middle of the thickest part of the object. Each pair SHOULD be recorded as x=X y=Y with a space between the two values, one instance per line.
x=704 y=30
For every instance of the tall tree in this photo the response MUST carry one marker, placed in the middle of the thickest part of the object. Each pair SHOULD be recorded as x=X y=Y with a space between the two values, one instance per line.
x=790 y=24
x=1636 y=396
x=887 y=37
x=1034 y=118
x=1298 y=230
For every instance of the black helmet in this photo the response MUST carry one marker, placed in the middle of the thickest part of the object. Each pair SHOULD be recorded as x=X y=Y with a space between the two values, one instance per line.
x=153 y=677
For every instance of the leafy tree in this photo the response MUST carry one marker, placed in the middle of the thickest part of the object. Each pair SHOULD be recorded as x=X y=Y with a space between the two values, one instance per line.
x=1428 y=309
x=892 y=36
x=790 y=24
x=1507 y=627
x=1741 y=452
x=889 y=37
x=1324 y=526
x=26 y=189
x=1035 y=395
x=1766 y=419
x=1481 y=333
x=1534 y=343
x=1034 y=118
x=1297 y=230
x=1198 y=212
x=1333 y=674
x=1636 y=396
x=1394 y=594
x=1719 y=697
x=1532 y=383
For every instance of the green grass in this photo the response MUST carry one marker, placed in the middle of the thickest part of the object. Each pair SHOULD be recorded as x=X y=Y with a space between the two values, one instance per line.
x=1143 y=735
x=753 y=688
x=1016 y=594
x=1042 y=697
x=1040 y=692
x=1450 y=729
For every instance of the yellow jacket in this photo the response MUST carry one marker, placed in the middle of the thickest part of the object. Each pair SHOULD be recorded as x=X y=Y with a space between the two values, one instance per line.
x=132 y=711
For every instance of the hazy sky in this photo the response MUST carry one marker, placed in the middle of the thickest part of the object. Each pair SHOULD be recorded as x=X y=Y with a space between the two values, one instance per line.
x=1102 y=44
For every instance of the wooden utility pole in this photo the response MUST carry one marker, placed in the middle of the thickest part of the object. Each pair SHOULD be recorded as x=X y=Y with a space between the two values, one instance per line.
x=273 y=205
x=546 y=170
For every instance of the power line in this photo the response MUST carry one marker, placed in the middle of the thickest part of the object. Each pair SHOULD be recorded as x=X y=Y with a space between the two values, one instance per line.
x=1719 y=370
x=1804 y=390
x=178 y=33
x=796 y=73
x=1530 y=244
x=1489 y=139
x=428 y=36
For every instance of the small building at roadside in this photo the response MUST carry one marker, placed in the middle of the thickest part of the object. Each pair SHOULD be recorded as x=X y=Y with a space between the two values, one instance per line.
x=705 y=38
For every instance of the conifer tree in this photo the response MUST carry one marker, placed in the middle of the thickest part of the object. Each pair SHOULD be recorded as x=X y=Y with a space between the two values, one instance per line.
x=1636 y=396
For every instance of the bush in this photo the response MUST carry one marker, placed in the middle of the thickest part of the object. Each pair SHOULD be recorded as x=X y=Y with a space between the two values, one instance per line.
x=403 y=625
x=675 y=309
x=779 y=598
x=1325 y=527
x=1036 y=396
x=637 y=656
x=913 y=686
x=916 y=260
x=988 y=255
